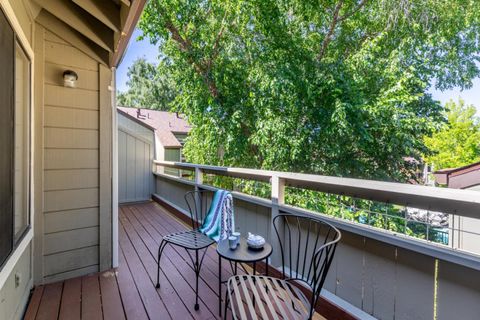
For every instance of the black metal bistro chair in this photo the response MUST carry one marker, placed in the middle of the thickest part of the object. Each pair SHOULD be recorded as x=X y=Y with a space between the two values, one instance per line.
x=307 y=246
x=191 y=240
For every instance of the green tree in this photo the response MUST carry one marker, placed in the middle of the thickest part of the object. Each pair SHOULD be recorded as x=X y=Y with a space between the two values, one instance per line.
x=323 y=86
x=458 y=143
x=148 y=87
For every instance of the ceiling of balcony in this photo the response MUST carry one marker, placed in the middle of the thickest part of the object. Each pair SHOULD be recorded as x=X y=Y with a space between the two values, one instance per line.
x=100 y=28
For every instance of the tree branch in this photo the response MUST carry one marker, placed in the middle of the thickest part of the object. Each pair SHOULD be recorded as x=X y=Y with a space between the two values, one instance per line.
x=335 y=21
x=331 y=29
x=355 y=10
x=185 y=46
x=216 y=43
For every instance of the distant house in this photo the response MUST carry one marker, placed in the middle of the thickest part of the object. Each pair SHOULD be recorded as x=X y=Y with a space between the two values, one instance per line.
x=145 y=135
x=464 y=231
x=466 y=177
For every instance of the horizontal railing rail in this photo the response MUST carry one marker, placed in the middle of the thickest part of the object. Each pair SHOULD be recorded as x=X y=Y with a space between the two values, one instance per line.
x=464 y=203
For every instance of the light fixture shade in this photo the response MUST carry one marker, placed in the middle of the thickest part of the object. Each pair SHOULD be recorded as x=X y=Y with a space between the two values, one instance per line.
x=69 y=78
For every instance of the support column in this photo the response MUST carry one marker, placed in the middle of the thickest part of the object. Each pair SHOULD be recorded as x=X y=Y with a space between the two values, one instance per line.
x=198 y=177
x=198 y=182
x=105 y=167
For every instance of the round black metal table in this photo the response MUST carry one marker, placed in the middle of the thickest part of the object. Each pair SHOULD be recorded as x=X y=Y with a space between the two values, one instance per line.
x=242 y=254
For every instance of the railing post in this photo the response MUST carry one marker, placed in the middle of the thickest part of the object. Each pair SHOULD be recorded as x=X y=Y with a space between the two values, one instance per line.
x=198 y=182
x=198 y=177
x=278 y=198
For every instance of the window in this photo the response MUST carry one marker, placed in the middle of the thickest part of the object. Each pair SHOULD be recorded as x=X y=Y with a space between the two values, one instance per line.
x=14 y=140
x=22 y=141
x=181 y=137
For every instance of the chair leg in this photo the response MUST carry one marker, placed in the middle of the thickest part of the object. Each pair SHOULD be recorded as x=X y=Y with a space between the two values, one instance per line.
x=226 y=305
x=197 y=274
x=162 y=246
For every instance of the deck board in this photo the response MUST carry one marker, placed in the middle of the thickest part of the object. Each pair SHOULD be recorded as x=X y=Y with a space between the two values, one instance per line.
x=71 y=297
x=129 y=292
x=34 y=304
x=50 y=302
x=175 y=258
x=148 y=252
x=133 y=305
x=152 y=302
x=91 y=298
x=111 y=301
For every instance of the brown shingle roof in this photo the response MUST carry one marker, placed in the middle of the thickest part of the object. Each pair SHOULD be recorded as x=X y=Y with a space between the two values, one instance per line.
x=164 y=123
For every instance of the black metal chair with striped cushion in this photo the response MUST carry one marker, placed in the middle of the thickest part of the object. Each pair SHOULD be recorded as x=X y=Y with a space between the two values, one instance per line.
x=191 y=240
x=307 y=246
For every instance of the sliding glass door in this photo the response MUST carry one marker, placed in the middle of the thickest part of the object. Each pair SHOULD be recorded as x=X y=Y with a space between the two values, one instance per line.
x=15 y=102
x=7 y=82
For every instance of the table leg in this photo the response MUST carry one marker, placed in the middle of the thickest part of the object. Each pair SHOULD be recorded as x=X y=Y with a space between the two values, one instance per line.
x=254 y=273
x=220 y=286
x=266 y=272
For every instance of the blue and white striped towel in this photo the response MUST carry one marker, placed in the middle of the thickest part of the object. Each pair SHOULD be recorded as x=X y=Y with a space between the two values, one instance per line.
x=219 y=222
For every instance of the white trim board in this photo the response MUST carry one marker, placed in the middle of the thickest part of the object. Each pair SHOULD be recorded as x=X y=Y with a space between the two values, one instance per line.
x=14 y=257
x=114 y=171
x=12 y=18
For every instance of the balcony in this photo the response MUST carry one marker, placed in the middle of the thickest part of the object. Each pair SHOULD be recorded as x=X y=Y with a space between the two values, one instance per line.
x=414 y=269
x=129 y=291
x=376 y=273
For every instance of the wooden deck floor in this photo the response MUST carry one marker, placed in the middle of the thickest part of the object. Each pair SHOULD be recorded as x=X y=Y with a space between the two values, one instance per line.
x=129 y=292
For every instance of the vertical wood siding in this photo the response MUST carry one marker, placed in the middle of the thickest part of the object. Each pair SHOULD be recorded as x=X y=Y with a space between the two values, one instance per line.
x=135 y=156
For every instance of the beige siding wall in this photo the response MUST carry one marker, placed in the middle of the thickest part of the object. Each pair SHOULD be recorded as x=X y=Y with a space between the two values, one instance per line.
x=71 y=163
x=71 y=174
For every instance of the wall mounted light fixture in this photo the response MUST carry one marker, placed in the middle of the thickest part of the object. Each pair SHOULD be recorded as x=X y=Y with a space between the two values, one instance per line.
x=69 y=78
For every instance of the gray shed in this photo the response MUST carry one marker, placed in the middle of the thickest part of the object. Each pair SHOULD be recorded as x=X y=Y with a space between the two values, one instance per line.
x=144 y=135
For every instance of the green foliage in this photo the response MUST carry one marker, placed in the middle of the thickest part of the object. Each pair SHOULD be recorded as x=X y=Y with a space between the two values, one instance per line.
x=322 y=86
x=147 y=88
x=458 y=143
x=376 y=214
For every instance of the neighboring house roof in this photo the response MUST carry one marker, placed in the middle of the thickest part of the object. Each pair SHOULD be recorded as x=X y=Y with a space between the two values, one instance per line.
x=165 y=124
x=459 y=178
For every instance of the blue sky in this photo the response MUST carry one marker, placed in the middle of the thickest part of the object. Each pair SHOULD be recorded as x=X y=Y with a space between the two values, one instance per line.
x=136 y=49
x=144 y=49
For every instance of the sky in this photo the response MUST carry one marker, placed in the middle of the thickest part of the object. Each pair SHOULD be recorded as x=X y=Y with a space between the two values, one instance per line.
x=136 y=49
x=139 y=49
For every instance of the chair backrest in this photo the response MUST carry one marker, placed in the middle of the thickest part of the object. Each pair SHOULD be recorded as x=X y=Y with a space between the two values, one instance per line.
x=198 y=204
x=307 y=245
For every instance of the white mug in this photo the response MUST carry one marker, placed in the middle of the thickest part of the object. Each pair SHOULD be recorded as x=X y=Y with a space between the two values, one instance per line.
x=232 y=242
x=237 y=236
